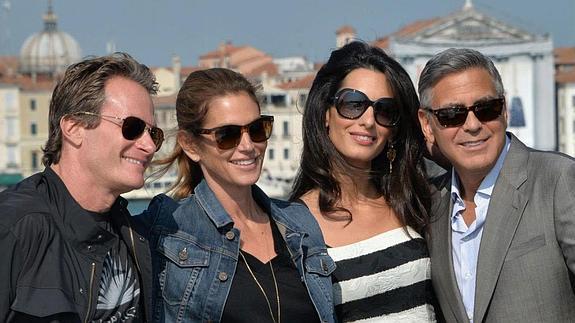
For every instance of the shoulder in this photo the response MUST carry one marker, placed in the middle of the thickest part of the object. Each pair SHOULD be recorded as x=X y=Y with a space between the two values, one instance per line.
x=548 y=167
x=160 y=206
x=538 y=160
x=297 y=216
x=22 y=203
x=551 y=158
x=294 y=210
x=28 y=233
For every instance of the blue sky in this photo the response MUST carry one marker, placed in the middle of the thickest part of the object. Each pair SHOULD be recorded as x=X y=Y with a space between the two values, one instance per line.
x=153 y=30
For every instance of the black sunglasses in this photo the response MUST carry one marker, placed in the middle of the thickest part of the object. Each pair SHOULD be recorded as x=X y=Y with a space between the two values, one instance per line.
x=352 y=104
x=455 y=116
x=229 y=136
x=133 y=127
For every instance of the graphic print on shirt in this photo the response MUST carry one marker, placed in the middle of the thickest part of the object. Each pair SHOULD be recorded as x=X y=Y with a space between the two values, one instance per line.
x=119 y=289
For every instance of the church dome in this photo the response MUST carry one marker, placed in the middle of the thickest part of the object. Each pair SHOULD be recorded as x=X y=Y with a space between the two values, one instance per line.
x=49 y=51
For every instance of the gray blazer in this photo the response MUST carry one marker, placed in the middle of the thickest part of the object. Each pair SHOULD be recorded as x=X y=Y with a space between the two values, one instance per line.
x=527 y=254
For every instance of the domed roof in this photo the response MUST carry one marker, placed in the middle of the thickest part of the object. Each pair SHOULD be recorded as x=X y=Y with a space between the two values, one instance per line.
x=49 y=51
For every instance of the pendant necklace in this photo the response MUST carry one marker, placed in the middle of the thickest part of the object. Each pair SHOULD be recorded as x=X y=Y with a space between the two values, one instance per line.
x=263 y=291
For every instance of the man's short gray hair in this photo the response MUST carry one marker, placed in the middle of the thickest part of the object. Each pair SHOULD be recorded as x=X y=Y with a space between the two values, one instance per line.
x=451 y=61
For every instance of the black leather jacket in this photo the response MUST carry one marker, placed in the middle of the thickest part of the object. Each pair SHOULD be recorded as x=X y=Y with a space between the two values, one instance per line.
x=52 y=254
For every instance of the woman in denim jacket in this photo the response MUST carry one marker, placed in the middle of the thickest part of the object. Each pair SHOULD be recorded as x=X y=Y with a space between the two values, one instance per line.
x=225 y=251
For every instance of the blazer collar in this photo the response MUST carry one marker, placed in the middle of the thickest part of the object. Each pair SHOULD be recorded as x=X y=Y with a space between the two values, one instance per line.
x=506 y=208
x=440 y=231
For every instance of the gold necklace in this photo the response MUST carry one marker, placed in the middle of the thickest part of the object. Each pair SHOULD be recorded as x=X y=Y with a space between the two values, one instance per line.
x=263 y=291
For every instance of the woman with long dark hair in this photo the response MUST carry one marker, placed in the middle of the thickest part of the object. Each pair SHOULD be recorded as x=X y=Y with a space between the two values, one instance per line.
x=362 y=177
x=225 y=251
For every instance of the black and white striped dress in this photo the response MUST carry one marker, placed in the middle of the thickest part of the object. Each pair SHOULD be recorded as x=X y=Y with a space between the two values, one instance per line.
x=385 y=278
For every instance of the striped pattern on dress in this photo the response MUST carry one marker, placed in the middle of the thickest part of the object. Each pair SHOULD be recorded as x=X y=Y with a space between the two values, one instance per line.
x=385 y=278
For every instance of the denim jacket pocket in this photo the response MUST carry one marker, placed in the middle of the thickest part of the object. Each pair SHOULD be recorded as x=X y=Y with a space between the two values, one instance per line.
x=320 y=264
x=184 y=261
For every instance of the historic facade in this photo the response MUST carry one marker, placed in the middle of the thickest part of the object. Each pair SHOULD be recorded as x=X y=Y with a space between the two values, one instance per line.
x=565 y=84
x=524 y=60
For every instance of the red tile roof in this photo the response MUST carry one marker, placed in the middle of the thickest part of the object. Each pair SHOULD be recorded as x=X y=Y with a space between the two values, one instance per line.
x=269 y=68
x=564 y=55
x=303 y=83
x=225 y=49
x=565 y=76
x=406 y=30
x=345 y=29
x=163 y=101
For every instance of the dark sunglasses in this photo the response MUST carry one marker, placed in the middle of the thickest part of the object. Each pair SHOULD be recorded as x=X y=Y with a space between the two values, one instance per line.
x=455 y=116
x=229 y=136
x=352 y=104
x=133 y=128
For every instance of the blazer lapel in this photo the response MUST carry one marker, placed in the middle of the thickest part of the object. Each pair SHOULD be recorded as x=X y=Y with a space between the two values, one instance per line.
x=504 y=213
x=442 y=259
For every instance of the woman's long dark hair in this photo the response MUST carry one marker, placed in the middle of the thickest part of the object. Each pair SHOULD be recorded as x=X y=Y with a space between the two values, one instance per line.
x=405 y=190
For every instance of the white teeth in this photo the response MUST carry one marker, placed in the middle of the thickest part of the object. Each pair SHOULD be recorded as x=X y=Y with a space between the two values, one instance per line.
x=473 y=143
x=364 y=138
x=134 y=161
x=244 y=162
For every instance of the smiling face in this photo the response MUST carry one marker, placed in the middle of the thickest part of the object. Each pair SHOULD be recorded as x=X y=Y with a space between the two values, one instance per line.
x=113 y=163
x=237 y=167
x=474 y=147
x=361 y=140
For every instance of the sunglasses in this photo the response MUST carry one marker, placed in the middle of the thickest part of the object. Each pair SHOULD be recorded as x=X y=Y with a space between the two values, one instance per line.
x=455 y=116
x=352 y=104
x=229 y=136
x=133 y=127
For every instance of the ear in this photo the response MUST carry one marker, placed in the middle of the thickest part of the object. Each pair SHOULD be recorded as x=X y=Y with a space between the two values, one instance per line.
x=506 y=115
x=73 y=131
x=188 y=146
x=425 y=123
x=327 y=118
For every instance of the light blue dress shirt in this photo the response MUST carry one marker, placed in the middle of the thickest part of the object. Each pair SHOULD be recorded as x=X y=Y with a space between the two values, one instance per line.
x=465 y=240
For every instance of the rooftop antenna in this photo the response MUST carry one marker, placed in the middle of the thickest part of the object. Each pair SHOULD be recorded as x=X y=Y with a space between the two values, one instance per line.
x=468 y=5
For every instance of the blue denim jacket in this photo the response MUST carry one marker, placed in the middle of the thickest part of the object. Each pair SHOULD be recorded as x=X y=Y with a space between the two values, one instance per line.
x=195 y=251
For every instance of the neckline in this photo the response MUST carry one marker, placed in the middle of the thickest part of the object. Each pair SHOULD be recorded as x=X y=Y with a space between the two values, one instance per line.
x=379 y=236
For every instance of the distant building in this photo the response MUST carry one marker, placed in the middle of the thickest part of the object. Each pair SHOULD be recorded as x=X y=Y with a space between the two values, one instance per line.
x=49 y=51
x=26 y=84
x=524 y=60
x=565 y=86
x=285 y=83
x=9 y=133
x=344 y=35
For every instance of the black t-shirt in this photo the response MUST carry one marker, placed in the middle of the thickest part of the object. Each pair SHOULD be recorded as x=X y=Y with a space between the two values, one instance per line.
x=246 y=303
x=119 y=286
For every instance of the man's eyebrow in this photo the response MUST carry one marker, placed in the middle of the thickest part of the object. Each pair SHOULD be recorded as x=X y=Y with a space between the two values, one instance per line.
x=459 y=104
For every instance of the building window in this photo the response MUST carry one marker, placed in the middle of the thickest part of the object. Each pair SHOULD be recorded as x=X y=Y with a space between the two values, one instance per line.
x=286 y=153
x=34 y=160
x=285 y=129
x=573 y=101
x=278 y=100
x=12 y=161
x=301 y=100
x=271 y=154
x=11 y=124
x=32 y=104
x=33 y=129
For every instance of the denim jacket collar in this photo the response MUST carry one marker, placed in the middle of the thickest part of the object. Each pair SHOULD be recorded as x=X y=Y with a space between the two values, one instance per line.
x=206 y=198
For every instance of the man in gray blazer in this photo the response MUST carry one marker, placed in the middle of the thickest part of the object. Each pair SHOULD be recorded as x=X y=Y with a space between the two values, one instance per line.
x=502 y=234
